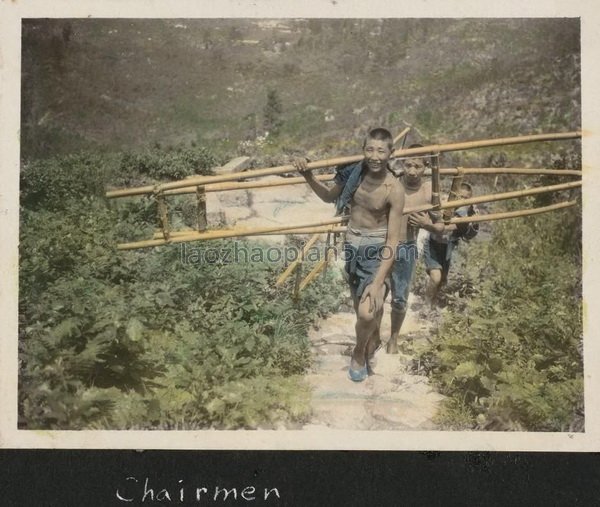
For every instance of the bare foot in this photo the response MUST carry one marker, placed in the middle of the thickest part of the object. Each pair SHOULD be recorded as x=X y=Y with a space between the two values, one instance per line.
x=355 y=365
x=391 y=347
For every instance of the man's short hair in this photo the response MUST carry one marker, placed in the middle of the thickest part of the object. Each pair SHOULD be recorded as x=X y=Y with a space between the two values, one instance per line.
x=380 y=134
x=465 y=186
x=425 y=156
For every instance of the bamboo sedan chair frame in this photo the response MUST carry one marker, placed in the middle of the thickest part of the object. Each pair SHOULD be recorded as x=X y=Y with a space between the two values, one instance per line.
x=245 y=185
x=254 y=173
x=281 y=229
x=226 y=182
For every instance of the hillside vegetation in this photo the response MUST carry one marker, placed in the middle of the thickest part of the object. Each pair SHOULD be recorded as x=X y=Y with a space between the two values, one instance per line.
x=142 y=339
x=130 y=83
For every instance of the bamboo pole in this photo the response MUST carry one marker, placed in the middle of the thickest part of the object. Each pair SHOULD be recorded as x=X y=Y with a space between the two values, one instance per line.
x=435 y=181
x=505 y=215
x=401 y=134
x=202 y=222
x=163 y=217
x=512 y=214
x=320 y=266
x=497 y=197
x=244 y=185
x=307 y=230
x=323 y=229
x=290 y=269
x=337 y=220
x=486 y=143
x=220 y=234
x=501 y=216
x=205 y=180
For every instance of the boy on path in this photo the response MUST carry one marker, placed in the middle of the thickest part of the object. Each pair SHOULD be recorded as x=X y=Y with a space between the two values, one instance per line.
x=376 y=201
x=439 y=247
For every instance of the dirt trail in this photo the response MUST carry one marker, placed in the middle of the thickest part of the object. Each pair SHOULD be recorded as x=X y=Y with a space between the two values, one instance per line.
x=393 y=398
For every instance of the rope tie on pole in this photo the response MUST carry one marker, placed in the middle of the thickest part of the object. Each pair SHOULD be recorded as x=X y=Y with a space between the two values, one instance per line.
x=201 y=220
x=453 y=194
x=163 y=216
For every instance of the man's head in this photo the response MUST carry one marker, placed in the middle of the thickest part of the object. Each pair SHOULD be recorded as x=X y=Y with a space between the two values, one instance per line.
x=377 y=149
x=414 y=167
x=465 y=191
x=380 y=134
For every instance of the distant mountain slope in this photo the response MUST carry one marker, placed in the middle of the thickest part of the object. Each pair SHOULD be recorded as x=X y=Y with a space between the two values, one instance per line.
x=116 y=84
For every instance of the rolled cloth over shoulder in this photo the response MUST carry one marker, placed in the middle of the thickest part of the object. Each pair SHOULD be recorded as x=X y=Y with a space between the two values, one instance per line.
x=349 y=177
x=468 y=230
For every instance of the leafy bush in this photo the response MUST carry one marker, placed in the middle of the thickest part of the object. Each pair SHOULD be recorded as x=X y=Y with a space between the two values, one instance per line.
x=509 y=356
x=53 y=183
x=144 y=339
x=170 y=164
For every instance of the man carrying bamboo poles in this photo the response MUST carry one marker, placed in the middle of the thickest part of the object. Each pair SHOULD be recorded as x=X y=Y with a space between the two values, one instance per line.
x=438 y=248
x=417 y=194
x=376 y=200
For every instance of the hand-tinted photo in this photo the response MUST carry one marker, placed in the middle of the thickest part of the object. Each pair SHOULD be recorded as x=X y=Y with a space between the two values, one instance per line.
x=301 y=224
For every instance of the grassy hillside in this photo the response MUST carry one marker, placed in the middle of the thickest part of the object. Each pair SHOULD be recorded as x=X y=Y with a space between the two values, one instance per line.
x=114 y=84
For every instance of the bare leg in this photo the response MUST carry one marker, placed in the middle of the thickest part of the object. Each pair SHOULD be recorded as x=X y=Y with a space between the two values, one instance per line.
x=375 y=339
x=433 y=286
x=397 y=320
x=367 y=329
x=374 y=343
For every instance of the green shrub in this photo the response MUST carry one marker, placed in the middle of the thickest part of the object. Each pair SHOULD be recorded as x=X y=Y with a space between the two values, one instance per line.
x=141 y=339
x=170 y=164
x=509 y=356
x=52 y=184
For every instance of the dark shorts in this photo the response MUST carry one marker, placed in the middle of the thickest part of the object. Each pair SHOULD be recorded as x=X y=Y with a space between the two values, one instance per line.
x=402 y=273
x=362 y=253
x=437 y=256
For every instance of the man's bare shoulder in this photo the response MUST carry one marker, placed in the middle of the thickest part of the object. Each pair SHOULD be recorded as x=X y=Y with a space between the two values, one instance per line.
x=424 y=193
x=426 y=185
x=397 y=189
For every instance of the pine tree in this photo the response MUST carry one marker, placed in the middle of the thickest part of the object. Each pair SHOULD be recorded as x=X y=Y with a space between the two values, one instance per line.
x=272 y=112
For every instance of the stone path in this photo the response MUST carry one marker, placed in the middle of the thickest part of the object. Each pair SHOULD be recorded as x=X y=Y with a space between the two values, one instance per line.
x=266 y=207
x=392 y=399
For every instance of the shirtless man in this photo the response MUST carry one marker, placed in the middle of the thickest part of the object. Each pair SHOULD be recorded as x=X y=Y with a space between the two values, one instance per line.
x=376 y=200
x=417 y=193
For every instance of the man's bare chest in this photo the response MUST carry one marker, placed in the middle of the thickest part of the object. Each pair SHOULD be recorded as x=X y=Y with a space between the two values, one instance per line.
x=417 y=198
x=373 y=197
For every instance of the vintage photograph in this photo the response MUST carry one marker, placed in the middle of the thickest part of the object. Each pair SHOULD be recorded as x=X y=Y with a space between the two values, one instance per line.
x=242 y=224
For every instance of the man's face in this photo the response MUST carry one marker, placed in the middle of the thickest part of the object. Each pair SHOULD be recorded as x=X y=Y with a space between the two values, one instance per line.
x=377 y=153
x=414 y=169
x=464 y=193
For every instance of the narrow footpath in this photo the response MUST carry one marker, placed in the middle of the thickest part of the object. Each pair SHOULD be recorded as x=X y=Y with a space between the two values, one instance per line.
x=391 y=399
